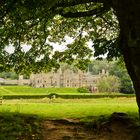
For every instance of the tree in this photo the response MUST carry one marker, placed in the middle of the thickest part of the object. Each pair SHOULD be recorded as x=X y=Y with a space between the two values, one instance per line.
x=8 y=75
x=96 y=66
x=118 y=69
x=126 y=85
x=32 y=22
x=115 y=68
x=109 y=84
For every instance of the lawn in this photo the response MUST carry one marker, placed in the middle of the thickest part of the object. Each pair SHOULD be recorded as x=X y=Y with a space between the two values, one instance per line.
x=70 y=108
x=61 y=108
x=11 y=92
x=20 y=118
x=27 y=90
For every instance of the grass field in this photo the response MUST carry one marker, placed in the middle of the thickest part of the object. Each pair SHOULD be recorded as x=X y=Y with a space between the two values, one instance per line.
x=27 y=90
x=20 y=118
x=68 y=108
x=102 y=105
x=61 y=108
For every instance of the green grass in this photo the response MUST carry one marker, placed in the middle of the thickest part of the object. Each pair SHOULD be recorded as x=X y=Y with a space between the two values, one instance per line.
x=60 y=108
x=10 y=92
x=77 y=108
x=27 y=90
x=20 y=119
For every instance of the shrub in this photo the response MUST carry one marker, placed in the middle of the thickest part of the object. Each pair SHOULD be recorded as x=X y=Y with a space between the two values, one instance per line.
x=109 y=84
x=52 y=95
x=126 y=85
x=83 y=90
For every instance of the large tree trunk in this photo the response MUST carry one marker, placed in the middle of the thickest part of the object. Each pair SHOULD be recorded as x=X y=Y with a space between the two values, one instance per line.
x=128 y=13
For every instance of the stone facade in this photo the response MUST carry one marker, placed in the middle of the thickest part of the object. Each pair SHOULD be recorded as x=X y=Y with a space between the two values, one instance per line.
x=67 y=78
x=61 y=78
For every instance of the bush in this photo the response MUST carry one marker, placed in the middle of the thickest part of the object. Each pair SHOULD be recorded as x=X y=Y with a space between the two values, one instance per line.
x=83 y=90
x=53 y=95
x=126 y=85
x=109 y=84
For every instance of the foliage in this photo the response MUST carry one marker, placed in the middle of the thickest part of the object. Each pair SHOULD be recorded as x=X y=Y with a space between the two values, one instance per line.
x=37 y=25
x=83 y=90
x=96 y=66
x=108 y=84
x=53 y=95
x=9 y=75
x=67 y=96
x=118 y=69
x=126 y=85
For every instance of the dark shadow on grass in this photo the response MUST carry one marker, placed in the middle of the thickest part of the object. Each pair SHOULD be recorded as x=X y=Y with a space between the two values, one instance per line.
x=16 y=126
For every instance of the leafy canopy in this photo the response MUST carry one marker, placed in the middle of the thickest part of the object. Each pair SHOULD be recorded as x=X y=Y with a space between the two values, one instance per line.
x=38 y=22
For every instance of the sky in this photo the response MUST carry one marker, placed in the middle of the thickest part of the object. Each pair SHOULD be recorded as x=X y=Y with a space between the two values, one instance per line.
x=57 y=47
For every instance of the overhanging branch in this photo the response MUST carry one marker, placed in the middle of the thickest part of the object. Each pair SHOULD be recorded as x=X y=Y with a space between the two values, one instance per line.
x=96 y=12
x=59 y=7
x=67 y=3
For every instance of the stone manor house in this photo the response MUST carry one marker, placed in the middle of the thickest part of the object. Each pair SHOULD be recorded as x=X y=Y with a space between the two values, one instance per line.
x=65 y=78
x=61 y=78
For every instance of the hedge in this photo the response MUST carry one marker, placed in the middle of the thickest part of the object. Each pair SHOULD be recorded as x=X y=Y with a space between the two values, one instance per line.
x=66 y=96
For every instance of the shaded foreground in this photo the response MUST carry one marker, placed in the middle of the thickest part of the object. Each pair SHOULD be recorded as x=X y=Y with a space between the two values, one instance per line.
x=118 y=127
x=15 y=126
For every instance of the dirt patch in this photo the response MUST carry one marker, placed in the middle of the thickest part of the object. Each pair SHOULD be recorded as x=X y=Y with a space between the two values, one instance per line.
x=117 y=127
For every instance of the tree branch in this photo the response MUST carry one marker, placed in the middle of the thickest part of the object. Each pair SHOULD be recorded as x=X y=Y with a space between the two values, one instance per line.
x=66 y=3
x=96 y=12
